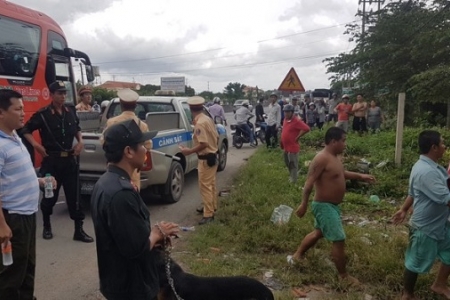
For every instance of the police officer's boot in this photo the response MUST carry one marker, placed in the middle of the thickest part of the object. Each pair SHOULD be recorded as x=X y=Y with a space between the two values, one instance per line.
x=80 y=235
x=47 y=232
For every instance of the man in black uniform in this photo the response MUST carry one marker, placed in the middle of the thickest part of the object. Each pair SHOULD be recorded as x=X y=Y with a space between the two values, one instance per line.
x=124 y=236
x=58 y=125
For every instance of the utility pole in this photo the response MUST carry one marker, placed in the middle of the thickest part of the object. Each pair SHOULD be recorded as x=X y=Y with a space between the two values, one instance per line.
x=365 y=12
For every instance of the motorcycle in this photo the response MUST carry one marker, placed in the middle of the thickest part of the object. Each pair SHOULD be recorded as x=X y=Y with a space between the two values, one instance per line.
x=240 y=136
x=260 y=130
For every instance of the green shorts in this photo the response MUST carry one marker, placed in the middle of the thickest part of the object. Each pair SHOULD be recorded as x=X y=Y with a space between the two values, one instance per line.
x=327 y=218
x=422 y=251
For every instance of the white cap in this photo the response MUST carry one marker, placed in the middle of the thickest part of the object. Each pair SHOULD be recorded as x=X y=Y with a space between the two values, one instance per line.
x=196 y=100
x=127 y=95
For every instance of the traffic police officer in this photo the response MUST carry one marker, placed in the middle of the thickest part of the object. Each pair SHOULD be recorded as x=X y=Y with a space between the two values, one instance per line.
x=85 y=93
x=128 y=102
x=205 y=146
x=58 y=125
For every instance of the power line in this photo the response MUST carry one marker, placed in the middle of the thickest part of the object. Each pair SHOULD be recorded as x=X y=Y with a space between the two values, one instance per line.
x=237 y=54
x=222 y=48
x=231 y=67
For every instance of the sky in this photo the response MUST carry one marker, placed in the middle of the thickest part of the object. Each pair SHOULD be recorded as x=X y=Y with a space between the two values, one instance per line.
x=209 y=42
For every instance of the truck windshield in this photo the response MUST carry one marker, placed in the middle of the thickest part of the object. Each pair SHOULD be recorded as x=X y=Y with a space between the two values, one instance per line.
x=19 y=48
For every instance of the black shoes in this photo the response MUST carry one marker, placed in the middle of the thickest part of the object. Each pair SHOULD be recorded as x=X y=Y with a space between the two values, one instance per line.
x=200 y=209
x=47 y=232
x=80 y=235
x=206 y=220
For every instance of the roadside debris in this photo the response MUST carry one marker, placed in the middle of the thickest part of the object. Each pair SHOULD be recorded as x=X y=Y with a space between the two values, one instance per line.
x=224 y=193
x=281 y=214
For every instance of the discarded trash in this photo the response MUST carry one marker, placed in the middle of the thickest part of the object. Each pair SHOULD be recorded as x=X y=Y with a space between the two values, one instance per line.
x=281 y=214
x=363 y=223
x=363 y=165
x=224 y=193
x=273 y=283
x=184 y=228
x=298 y=293
x=365 y=240
x=374 y=198
x=214 y=249
x=290 y=260
x=382 y=164
x=268 y=274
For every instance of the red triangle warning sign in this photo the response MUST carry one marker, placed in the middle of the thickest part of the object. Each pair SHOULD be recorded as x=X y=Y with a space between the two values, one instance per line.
x=291 y=83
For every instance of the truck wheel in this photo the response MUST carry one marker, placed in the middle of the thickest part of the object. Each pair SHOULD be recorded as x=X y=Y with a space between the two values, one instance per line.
x=222 y=157
x=175 y=183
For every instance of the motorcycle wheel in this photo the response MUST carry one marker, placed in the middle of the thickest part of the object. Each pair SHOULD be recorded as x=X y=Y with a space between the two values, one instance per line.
x=262 y=136
x=238 y=142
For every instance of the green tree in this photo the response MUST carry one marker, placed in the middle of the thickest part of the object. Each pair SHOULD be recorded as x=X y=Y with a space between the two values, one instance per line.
x=101 y=94
x=234 y=91
x=405 y=49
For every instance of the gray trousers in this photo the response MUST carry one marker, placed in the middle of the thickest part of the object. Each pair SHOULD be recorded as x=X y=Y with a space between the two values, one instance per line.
x=291 y=161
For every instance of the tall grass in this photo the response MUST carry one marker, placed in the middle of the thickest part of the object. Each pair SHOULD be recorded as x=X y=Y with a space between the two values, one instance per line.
x=243 y=240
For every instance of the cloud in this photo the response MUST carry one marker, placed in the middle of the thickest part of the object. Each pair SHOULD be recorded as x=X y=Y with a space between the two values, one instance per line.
x=63 y=11
x=210 y=42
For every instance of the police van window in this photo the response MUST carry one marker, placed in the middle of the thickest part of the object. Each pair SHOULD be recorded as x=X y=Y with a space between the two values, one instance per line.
x=19 y=48
x=141 y=109
x=187 y=110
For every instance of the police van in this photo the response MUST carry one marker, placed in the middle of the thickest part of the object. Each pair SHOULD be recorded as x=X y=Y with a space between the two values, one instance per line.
x=165 y=166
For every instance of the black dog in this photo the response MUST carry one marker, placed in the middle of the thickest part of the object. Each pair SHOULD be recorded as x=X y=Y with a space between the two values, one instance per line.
x=191 y=287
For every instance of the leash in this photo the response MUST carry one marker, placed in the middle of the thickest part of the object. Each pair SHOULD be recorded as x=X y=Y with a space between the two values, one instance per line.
x=167 y=251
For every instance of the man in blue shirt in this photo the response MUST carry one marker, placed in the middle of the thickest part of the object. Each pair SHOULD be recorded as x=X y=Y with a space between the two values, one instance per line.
x=429 y=226
x=19 y=199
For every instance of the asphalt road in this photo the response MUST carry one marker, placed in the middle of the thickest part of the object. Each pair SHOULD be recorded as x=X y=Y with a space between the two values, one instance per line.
x=68 y=270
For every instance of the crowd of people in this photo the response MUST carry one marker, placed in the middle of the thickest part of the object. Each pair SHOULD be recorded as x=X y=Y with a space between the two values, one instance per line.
x=125 y=250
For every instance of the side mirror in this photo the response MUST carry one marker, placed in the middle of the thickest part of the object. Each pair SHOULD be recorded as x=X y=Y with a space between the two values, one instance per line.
x=218 y=120
x=89 y=73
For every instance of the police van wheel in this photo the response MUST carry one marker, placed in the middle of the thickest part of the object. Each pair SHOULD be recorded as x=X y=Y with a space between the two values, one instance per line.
x=222 y=157
x=175 y=183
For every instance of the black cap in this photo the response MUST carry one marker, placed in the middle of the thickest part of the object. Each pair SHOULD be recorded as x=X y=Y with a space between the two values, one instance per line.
x=126 y=133
x=57 y=86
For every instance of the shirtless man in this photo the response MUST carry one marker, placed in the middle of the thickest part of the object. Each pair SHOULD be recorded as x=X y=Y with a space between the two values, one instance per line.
x=360 y=110
x=326 y=173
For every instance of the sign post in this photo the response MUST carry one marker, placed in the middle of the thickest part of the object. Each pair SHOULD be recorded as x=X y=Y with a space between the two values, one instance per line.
x=291 y=83
x=399 y=136
x=177 y=84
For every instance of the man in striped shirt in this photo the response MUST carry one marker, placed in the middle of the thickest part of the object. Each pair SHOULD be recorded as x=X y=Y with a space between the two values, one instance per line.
x=19 y=198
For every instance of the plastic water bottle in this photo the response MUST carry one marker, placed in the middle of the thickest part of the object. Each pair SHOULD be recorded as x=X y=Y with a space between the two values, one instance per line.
x=96 y=107
x=184 y=228
x=48 y=186
x=7 y=254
